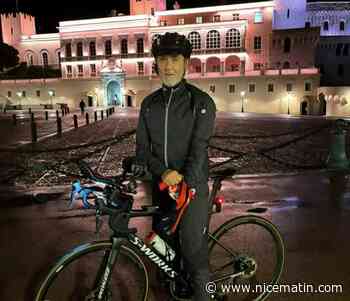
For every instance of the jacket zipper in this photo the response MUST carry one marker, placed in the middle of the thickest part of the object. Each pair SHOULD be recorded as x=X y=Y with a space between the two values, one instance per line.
x=166 y=129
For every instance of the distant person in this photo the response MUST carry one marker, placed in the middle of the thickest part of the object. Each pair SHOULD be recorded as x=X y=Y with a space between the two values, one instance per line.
x=82 y=106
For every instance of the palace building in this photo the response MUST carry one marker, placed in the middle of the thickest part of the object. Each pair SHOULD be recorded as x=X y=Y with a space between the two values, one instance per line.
x=254 y=57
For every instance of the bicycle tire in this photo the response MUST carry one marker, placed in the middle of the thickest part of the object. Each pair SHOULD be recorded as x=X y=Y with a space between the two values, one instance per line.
x=259 y=232
x=72 y=276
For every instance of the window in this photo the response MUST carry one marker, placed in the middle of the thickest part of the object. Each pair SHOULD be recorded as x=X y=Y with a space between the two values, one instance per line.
x=80 y=70
x=9 y=94
x=257 y=43
x=69 y=70
x=346 y=50
x=93 y=69
x=258 y=17
x=215 y=68
x=154 y=68
x=307 y=86
x=45 y=59
x=199 y=19
x=80 y=49
x=212 y=88
x=307 y=25
x=68 y=50
x=287 y=45
x=124 y=47
x=289 y=87
x=342 y=26
x=325 y=26
x=198 y=69
x=152 y=11
x=92 y=48
x=37 y=93
x=233 y=38
x=257 y=66
x=181 y=21
x=217 y=18
x=270 y=88
x=338 y=50
x=251 y=88
x=23 y=93
x=195 y=40
x=340 y=70
x=288 y=13
x=139 y=46
x=273 y=43
x=140 y=68
x=235 y=17
x=231 y=88
x=163 y=23
x=213 y=39
x=108 y=47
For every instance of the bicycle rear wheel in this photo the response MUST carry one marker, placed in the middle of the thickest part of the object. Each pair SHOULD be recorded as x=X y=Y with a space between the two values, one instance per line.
x=251 y=245
x=74 y=276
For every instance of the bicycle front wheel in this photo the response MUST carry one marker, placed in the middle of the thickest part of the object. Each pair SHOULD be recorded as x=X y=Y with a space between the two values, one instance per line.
x=75 y=275
x=252 y=247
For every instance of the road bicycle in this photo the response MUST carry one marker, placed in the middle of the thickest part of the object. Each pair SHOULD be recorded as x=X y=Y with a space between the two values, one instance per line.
x=244 y=252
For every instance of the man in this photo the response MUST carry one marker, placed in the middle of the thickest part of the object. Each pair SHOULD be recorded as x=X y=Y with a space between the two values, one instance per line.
x=175 y=125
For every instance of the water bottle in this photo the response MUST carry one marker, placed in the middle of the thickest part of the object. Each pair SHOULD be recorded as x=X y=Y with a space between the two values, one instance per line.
x=154 y=240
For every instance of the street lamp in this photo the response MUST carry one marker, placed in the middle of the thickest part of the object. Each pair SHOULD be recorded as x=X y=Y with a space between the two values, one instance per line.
x=20 y=94
x=51 y=93
x=242 y=100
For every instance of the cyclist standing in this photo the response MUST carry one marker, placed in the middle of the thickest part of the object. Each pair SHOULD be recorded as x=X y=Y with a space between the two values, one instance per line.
x=174 y=128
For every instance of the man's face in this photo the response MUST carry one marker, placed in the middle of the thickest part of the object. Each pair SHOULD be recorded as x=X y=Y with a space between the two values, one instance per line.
x=171 y=68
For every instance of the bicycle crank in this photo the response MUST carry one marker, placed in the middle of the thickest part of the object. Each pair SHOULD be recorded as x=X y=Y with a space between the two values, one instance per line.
x=247 y=265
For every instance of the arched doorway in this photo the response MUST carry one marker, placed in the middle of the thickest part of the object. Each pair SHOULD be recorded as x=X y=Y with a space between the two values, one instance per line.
x=129 y=101
x=113 y=94
x=323 y=104
x=304 y=107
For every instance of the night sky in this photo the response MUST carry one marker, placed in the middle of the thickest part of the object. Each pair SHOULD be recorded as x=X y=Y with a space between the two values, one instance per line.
x=49 y=12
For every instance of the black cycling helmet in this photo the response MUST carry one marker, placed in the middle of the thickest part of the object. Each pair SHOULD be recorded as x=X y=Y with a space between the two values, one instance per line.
x=171 y=43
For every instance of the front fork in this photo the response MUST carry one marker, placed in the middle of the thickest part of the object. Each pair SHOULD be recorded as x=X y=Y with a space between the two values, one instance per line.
x=103 y=276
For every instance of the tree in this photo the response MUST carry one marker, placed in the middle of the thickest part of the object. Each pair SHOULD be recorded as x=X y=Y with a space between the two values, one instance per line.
x=8 y=56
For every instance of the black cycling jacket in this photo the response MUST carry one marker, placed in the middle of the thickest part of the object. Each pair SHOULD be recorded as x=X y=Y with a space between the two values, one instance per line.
x=174 y=128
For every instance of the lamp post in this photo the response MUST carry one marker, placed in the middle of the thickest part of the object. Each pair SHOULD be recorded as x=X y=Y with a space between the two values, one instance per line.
x=288 y=100
x=20 y=94
x=51 y=93
x=96 y=92
x=242 y=100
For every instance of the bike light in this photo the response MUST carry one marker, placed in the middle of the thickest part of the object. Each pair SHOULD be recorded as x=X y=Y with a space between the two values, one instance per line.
x=219 y=200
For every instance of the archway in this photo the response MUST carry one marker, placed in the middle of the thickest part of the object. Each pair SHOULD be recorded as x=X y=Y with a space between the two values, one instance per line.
x=322 y=103
x=195 y=65
x=304 y=107
x=113 y=94
x=213 y=64
x=232 y=63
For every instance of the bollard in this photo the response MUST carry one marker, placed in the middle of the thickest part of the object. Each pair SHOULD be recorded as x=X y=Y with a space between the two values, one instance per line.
x=107 y=113
x=337 y=155
x=59 y=126
x=101 y=114
x=75 y=120
x=32 y=117
x=46 y=115
x=14 y=118
x=87 y=118
x=30 y=110
x=95 y=113
x=63 y=112
x=34 y=131
x=57 y=114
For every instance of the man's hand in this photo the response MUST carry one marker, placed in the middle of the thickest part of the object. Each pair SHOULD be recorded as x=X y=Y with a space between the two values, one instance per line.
x=171 y=177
